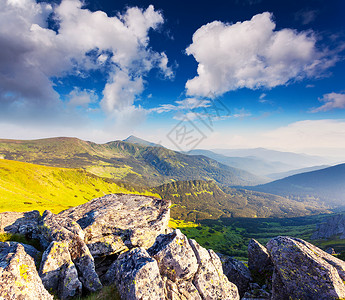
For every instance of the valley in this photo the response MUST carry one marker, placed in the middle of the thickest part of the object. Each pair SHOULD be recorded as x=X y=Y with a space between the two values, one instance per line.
x=217 y=204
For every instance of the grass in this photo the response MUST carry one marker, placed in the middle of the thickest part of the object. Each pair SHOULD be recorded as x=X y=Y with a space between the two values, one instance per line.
x=25 y=186
x=231 y=236
x=9 y=237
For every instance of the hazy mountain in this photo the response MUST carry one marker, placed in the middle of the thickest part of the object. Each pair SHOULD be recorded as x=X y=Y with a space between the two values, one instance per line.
x=281 y=175
x=295 y=160
x=135 y=140
x=197 y=200
x=327 y=184
x=253 y=165
x=133 y=163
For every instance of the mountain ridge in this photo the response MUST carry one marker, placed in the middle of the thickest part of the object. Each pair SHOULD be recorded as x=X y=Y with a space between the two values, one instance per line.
x=144 y=165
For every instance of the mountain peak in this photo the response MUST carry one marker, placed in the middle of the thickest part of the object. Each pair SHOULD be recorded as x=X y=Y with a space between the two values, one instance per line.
x=135 y=140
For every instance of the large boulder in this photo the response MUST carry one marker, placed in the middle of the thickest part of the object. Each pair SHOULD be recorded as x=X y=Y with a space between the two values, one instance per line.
x=237 y=273
x=137 y=276
x=116 y=222
x=64 y=229
x=30 y=250
x=258 y=257
x=303 y=271
x=58 y=272
x=20 y=222
x=334 y=225
x=175 y=257
x=18 y=275
x=210 y=280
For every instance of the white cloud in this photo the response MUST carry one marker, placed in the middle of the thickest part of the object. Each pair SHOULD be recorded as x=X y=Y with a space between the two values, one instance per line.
x=332 y=101
x=241 y=113
x=32 y=54
x=320 y=137
x=186 y=104
x=252 y=54
x=78 y=97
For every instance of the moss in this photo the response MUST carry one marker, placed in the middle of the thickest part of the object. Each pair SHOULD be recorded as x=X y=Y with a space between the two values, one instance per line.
x=24 y=271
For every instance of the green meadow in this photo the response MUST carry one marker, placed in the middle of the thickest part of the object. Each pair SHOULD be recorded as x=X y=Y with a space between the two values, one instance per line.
x=25 y=186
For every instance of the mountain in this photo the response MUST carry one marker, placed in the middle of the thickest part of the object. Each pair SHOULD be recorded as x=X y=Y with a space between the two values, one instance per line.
x=281 y=175
x=253 y=165
x=197 y=200
x=294 y=160
x=25 y=186
x=326 y=185
x=132 y=163
x=138 y=141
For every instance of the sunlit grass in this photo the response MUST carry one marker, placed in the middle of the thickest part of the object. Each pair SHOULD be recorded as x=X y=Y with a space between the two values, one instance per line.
x=25 y=187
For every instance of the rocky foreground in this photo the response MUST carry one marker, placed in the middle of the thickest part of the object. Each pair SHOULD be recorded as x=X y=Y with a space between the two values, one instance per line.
x=124 y=240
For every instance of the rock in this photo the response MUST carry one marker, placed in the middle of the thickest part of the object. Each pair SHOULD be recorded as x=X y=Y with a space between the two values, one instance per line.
x=184 y=290
x=137 y=276
x=258 y=257
x=303 y=271
x=237 y=273
x=25 y=223
x=334 y=225
x=58 y=272
x=30 y=250
x=64 y=229
x=330 y=250
x=18 y=275
x=175 y=257
x=210 y=280
x=116 y=222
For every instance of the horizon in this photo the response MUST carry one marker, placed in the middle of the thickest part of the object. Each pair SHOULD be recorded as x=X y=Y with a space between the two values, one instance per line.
x=231 y=75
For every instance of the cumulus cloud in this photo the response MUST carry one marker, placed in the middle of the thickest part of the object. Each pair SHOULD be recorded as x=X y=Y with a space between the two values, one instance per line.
x=34 y=54
x=252 y=54
x=332 y=101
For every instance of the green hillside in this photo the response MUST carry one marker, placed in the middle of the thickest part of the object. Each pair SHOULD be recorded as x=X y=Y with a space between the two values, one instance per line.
x=25 y=186
x=197 y=200
x=143 y=165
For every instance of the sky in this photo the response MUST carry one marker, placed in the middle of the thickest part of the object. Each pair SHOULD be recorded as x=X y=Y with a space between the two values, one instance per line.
x=185 y=74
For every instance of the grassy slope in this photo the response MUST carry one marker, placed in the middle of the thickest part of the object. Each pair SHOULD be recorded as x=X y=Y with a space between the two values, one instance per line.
x=25 y=186
x=124 y=161
x=198 y=200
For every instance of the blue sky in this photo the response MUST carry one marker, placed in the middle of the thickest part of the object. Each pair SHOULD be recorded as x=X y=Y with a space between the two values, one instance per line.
x=230 y=74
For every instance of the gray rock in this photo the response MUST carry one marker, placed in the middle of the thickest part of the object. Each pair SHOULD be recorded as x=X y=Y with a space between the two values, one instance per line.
x=114 y=222
x=334 y=225
x=136 y=275
x=330 y=250
x=237 y=273
x=210 y=280
x=25 y=223
x=63 y=229
x=303 y=271
x=184 y=290
x=258 y=257
x=58 y=272
x=30 y=250
x=175 y=257
x=18 y=275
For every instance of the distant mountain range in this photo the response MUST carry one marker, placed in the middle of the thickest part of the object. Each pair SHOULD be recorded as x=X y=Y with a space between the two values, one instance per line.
x=294 y=160
x=119 y=160
x=326 y=186
x=276 y=176
x=253 y=165
x=197 y=200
